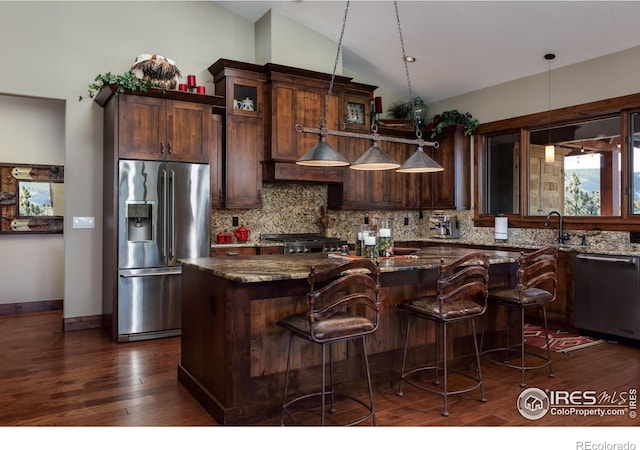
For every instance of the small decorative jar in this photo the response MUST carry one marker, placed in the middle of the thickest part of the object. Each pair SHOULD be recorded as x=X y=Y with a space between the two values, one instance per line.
x=385 y=237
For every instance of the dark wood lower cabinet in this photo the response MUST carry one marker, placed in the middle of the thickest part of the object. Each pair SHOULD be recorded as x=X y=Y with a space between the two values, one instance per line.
x=233 y=356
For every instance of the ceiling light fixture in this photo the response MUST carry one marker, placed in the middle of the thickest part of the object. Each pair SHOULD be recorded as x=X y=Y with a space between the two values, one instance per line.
x=323 y=155
x=410 y=58
x=549 y=149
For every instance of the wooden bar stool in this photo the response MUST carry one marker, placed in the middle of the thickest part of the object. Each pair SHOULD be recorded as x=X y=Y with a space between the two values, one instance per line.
x=536 y=286
x=462 y=290
x=344 y=305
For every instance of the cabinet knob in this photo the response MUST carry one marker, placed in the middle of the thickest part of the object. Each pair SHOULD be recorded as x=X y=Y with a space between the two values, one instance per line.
x=169 y=147
x=220 y=193
x=161 y=147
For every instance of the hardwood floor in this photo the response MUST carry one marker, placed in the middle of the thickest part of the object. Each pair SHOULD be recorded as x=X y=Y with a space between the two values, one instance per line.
x=80 y=378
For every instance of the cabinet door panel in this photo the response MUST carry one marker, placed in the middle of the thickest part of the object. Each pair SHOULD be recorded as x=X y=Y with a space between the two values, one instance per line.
x=444 y=182
x=141 y=127
x=186 y=127
x=245 y=143
x=214 y=140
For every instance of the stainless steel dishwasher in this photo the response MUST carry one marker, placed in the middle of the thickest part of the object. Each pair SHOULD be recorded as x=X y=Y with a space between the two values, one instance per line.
x=607 y=294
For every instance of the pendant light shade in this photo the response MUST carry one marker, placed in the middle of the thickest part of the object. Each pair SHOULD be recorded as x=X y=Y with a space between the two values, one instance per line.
x=375 y=159
x=420 y=162
x=322 y=155
x=549 y=153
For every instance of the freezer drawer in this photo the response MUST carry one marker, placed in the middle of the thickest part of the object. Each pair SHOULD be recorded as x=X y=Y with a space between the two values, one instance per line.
x=607 y=294
x=149 y=303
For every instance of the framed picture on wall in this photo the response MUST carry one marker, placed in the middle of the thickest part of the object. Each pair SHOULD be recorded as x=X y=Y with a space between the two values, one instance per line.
x=31 y=198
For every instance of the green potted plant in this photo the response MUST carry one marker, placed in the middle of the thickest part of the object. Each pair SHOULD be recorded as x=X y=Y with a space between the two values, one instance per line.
x=407 y=108
x=453 y=117
x=128 y=80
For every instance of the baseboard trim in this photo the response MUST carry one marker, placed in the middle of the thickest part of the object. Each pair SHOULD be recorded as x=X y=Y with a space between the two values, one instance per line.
x=31 y=307
x=82 y=323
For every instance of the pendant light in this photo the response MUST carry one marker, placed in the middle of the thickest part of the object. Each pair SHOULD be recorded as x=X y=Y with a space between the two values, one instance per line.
x=375 y=158
x=419 y=162
x=323 y=155
x=549 y=149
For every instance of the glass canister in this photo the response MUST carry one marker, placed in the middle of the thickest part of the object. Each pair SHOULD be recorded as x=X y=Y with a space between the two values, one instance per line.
x=359 y=240
x=385 y=237
x=369 y=244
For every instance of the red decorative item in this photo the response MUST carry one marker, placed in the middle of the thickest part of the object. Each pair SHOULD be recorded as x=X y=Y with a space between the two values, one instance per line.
x=223 y=238
x=191 y=81
x=378 y=105
x=242 y=234
x=201 y=89
x=182 y=87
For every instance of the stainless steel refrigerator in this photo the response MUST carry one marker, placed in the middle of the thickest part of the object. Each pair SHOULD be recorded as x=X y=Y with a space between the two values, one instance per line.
x=163 y=215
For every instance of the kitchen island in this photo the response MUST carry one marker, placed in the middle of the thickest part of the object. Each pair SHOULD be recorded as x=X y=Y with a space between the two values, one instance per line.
x=233 y=355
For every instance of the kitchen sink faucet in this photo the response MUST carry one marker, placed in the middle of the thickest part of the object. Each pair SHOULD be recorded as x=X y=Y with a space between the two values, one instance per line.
x=562 y=236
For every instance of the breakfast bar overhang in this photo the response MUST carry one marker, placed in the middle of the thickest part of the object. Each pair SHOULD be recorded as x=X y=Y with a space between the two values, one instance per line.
x=233 y=356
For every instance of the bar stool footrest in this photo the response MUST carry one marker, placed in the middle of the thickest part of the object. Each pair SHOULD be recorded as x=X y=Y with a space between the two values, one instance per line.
x=337 y=397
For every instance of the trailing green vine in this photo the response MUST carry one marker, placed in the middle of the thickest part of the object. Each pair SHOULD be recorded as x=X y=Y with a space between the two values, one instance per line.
x=128 y=80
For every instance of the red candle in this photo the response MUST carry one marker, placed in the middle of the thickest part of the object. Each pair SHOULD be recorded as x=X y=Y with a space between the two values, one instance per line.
x=201 y=89
x=191 y=80
x=378 y=105
x=182 y=87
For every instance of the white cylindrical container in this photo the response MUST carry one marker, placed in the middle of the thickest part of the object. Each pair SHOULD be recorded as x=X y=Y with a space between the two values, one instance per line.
x=501 y=228
x=385 y=237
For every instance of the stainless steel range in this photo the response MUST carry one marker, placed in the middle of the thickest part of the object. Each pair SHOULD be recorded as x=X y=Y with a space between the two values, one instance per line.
x=306 y=242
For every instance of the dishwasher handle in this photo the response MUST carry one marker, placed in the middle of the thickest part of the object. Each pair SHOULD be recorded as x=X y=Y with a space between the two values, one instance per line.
x=613 y=259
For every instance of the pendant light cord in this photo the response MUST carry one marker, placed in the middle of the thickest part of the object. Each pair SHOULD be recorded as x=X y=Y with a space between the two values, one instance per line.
x=406 y=70
x=404 y=54
x=323 y=122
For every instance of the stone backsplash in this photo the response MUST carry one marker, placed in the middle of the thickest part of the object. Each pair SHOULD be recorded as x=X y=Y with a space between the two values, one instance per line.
x=297 y=208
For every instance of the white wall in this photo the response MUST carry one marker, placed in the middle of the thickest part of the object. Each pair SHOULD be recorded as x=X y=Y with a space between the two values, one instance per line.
x=280 y=40
x=53 y=50
x=32 y=132
x=609 y=76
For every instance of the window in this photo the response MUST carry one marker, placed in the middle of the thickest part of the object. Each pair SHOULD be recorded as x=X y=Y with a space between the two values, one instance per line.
x=503 y=180
x=634 y=179
x=583 y=178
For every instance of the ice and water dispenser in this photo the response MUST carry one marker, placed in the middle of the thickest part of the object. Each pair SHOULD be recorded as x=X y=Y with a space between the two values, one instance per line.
x=139 y=222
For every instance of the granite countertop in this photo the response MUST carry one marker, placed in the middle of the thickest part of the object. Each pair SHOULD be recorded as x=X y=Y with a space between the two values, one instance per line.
x=601 y=248
x=255 y=269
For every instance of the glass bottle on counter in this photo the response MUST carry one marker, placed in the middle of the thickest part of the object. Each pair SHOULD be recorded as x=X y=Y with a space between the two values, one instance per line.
x=385 y=237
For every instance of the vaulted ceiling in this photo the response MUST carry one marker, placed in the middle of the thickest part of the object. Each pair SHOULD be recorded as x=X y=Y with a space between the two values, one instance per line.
x=461 y=46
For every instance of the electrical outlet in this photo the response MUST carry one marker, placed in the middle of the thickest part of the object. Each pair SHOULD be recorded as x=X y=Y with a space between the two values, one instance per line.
x=234 y=221
x=366 y=220
x=634 y=237
x=420 y=215
x=406 y=221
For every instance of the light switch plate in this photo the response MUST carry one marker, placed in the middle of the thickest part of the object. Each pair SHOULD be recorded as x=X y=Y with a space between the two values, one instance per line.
x=84 y=222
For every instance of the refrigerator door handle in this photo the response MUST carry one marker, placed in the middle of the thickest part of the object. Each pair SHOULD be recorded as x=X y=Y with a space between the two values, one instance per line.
x=163 y=202
x=171 y=215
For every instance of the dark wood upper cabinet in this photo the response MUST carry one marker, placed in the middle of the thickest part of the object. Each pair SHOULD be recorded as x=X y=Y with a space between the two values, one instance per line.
x=152 y=128
x=242 y=85
x=451 y=188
